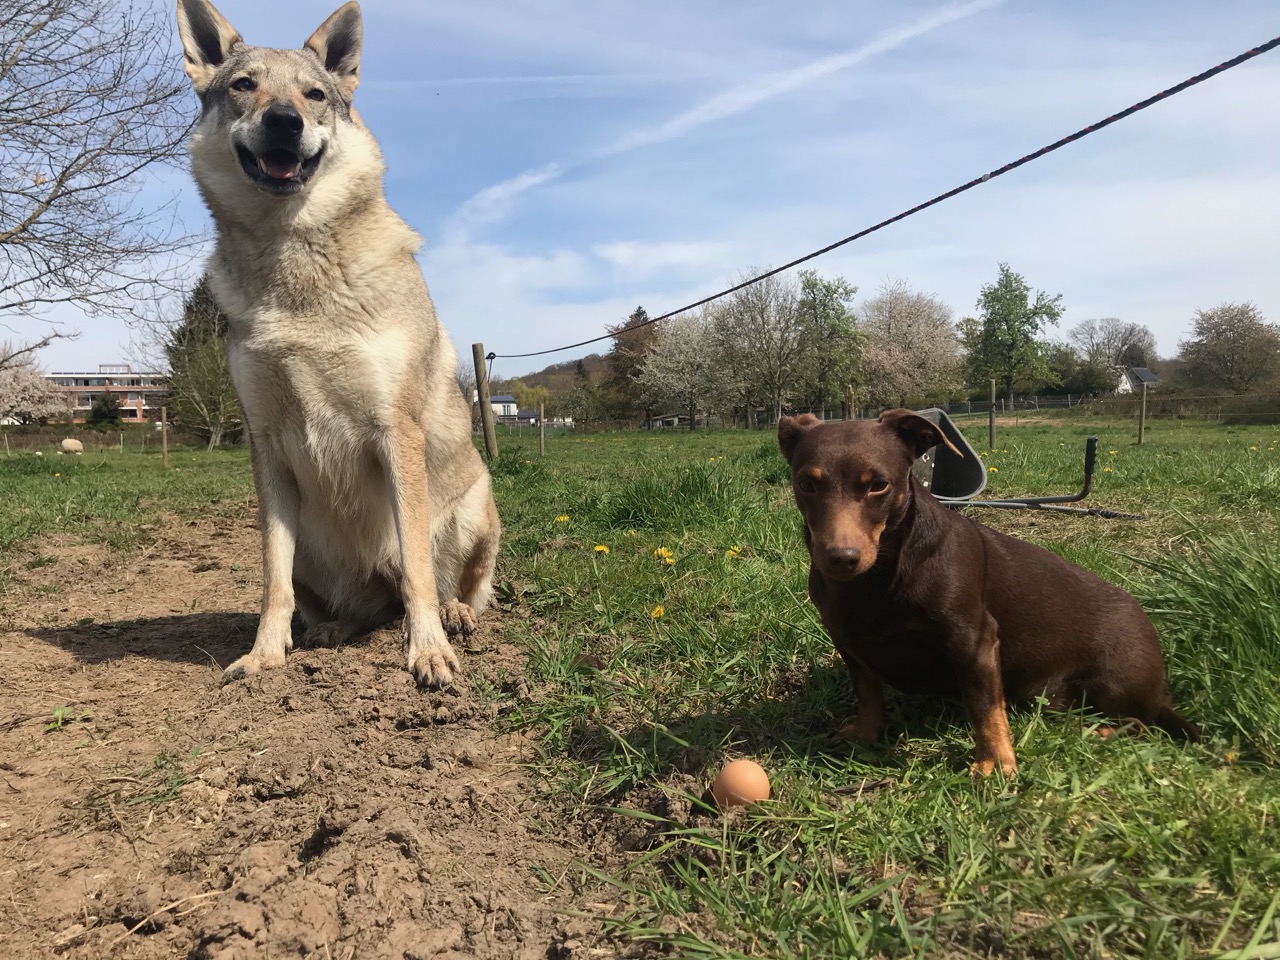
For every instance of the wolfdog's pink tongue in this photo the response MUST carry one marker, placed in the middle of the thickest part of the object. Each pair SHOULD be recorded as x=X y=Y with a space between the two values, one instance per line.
x=279 y=164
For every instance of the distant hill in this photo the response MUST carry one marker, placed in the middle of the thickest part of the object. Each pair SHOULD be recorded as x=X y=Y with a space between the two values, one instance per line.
x=555 y=375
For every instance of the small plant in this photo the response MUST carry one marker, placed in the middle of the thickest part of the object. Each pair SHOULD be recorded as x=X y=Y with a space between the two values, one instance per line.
x=64 y=717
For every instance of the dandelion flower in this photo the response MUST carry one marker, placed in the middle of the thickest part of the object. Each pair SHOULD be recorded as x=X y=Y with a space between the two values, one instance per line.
x=601 y=548
x=656 y=612
x=1106 y=469
x=663 y=554
x=733 y=552
x=563 y=518
x=1112 y=452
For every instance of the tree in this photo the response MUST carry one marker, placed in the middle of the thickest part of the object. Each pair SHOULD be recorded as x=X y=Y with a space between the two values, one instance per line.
x=1231 y=348
x=1005 y=344
x=92 y=98
x=527 y=397
x=584 y=401
x=105 y=409
x=202 y=394
x=831 y=345
x=911 y=348
x=635 y=339
x=1112 y=342
x=679 y=371
x=25 y=395
x=757 y=338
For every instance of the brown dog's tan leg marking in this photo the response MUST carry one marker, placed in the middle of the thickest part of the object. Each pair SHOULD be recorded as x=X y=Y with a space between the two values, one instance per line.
x=983 y=692
x=868 y=722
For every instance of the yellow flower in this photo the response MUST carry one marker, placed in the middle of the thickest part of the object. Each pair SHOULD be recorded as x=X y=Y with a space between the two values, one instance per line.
x=563 y=518
x=193 y=459
x=57 y=474
x=656 y=612
x=733 y=552
x=1106 y=469
x=1254 y=449
x=663 y=554
x=1112 y=452
x=601 y=548
x=1232 y=756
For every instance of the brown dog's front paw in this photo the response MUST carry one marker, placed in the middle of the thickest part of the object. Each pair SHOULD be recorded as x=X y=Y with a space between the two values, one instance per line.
x=860 y=732
x=984 y=768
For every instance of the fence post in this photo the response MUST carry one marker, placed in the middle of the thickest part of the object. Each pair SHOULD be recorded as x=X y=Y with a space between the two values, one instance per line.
x=486 y=409
x=991 y=419
x=1142 y=414
x=848 y=402
x=122 y=441
x=542 y=429
x=164 y=436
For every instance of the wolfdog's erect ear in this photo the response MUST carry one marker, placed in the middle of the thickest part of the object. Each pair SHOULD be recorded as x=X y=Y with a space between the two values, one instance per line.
x=337 y=44
x=207 y=39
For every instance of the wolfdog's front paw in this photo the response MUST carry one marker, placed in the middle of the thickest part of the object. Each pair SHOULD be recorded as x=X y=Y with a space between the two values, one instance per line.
x=432 y=660
x=434 y=666
x=458 y=619
x=251 y=663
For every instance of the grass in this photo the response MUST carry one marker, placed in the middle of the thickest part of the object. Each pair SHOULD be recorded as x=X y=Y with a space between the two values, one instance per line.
x=109 y=496
x=691 y=641
x=1128 y=847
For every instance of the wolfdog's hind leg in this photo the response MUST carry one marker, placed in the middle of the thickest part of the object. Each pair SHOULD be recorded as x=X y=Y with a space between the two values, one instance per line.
x=458 y=618
x=332 y=633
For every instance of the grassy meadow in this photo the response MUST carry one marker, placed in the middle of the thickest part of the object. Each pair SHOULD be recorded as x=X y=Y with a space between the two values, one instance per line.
x=658 y=582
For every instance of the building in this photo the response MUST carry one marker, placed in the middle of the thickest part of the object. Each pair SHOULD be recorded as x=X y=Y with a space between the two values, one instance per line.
x=504 y=406
x=1131 y=379
x=139 y=394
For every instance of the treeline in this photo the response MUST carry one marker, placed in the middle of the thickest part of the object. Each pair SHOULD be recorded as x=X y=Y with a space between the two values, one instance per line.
x=805 y=342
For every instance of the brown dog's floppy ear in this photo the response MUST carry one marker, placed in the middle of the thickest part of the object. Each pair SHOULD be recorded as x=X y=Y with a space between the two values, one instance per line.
x=791 y=429
x=337 y=43
x=207 y=41
x=920 y=435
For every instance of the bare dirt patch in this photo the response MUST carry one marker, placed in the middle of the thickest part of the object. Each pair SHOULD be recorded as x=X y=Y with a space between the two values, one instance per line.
x=328 y=809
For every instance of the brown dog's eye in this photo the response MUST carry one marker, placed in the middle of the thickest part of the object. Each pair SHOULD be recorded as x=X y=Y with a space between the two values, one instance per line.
x=805 y=485
x=878 y=486
x=243 y=84
x=317 y=95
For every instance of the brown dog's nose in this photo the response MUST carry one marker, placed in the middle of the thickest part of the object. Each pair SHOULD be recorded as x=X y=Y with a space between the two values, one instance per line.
x=844 y=558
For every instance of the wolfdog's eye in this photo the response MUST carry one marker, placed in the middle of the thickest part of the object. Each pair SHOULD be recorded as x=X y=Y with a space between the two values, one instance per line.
x=317 y=95
x=243 y=84
x=878 y=486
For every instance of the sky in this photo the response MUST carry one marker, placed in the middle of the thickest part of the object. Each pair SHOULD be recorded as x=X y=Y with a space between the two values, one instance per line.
x=567 y=161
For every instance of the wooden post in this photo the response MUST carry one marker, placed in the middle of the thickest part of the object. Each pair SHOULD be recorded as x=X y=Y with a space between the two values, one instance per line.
x=6 y=445
x=542 y=429
x=486 y=409
x=848 y=401
x=1142 y=415
x=122 y=441
x=164 y=436
x=991 y=419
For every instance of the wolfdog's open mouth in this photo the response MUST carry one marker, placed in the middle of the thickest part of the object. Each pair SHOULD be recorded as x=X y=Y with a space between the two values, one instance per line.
x=281 y=171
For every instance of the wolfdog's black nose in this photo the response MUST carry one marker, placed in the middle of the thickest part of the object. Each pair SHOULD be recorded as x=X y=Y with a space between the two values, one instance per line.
x=282 y=120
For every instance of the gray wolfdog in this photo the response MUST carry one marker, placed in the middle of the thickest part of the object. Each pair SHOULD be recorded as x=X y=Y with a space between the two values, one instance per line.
x=372 y=500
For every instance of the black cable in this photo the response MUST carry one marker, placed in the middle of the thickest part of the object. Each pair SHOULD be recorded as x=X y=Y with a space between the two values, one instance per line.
x=1071 y=138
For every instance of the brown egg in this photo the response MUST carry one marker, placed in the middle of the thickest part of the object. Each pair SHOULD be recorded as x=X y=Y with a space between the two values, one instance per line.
x=740 y=782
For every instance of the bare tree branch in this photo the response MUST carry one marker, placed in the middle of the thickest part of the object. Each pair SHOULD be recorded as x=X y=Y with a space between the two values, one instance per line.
x=90 y=101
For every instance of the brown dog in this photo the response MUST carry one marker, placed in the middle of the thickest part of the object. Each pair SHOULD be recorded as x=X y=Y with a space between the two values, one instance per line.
x=930 y=601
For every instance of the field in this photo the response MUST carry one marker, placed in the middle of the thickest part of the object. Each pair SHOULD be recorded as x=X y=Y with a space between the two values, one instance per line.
x=651 y=623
